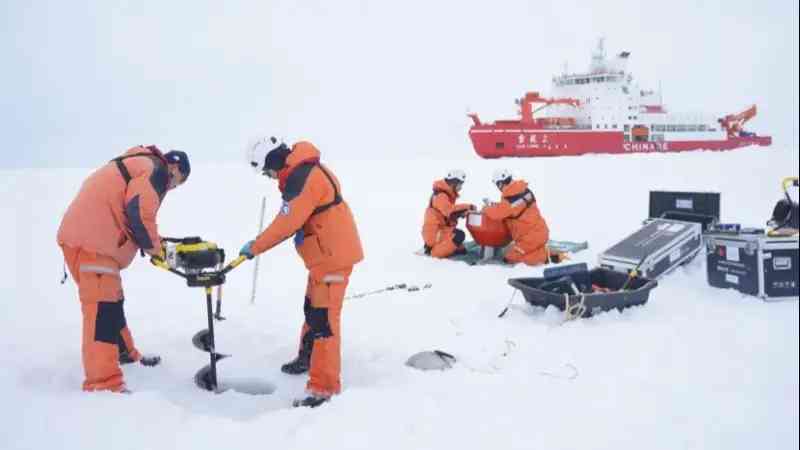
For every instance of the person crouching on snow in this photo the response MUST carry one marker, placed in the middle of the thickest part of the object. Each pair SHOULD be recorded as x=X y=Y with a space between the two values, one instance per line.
x=442 y=238
x=518 y=210
x=113 y=215
x=326 y=238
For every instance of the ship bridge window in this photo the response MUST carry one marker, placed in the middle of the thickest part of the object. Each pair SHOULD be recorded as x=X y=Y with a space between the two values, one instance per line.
x=701 y=128
x=626 y=127
x=692 y=128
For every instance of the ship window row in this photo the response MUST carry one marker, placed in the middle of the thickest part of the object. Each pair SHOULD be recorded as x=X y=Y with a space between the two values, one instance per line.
x=588 y=80
x=681 y=128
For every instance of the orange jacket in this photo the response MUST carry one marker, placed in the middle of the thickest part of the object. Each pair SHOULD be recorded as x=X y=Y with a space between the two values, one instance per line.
x=520 y=213
x=442 y=213
x=113 y=218
x=312 y=202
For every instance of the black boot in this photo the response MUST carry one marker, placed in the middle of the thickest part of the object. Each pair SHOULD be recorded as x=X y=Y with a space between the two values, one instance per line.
x=150 y=360
x=312 y=401
x=297 y=366
x=146 y=360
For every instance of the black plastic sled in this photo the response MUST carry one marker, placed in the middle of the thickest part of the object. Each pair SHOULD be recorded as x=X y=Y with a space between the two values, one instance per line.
x=585 y=293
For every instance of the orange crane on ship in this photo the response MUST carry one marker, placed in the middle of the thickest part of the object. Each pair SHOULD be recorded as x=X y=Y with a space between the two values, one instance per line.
x=527 y=110
x=533 y=98
x=734 y=123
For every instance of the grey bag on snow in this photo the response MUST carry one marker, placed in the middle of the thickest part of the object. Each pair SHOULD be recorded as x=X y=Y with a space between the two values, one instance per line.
x=431 y=360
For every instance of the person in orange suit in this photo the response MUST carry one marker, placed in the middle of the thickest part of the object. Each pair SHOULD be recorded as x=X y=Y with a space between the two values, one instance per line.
x=439 y=232
x=518 y=210
x=114 y=215
x=326 y=238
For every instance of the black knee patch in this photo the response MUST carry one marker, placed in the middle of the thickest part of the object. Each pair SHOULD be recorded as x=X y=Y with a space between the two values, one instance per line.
x=427 y=249
x=109 y=322
x=458 y=237
x=317 y=320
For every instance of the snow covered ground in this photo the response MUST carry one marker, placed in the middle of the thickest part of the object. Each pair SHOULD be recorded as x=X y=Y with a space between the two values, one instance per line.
x=695 y=368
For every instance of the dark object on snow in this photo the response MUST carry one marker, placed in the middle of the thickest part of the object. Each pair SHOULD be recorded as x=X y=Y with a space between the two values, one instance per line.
x=589 y=303
x=431 y=360
x=146 y=360
x=312 y=401
x=150 y=360
x=754 y=264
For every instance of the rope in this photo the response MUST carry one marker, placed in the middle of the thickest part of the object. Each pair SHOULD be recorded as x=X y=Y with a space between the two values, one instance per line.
x=401 y=286
x=576 y=310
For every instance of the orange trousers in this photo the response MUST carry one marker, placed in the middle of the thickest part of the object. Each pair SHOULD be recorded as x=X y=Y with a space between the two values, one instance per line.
x=104 y=327
x=320 y=334
x=450 y=241
x=520 y=253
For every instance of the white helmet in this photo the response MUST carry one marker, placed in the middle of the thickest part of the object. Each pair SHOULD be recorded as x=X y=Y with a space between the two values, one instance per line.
x=257 y=151
x=501 y=176
x=456 y=175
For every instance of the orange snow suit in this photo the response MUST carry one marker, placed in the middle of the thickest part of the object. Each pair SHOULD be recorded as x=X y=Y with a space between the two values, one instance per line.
x=528 y=228
x=105 y=224
x=330 y=246
x=439 y=231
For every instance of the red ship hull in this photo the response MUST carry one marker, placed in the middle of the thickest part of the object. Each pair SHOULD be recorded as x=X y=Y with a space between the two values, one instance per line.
x=501 y=140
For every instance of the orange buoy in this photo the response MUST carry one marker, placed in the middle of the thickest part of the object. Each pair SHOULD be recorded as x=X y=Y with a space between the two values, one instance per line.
x=487 y=232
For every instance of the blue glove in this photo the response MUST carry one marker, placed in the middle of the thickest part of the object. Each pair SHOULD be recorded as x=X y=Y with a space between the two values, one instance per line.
x=247 y=250
x=299 y=237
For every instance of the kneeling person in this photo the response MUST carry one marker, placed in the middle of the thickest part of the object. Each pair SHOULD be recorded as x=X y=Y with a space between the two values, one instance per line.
x=442 y=238
x=518 y=210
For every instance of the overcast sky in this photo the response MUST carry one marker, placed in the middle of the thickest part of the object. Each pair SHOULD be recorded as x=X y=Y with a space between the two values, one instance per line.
x=83 y=81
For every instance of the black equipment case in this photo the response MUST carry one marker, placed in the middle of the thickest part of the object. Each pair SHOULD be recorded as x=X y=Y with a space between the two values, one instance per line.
x=670 y=237
x=754 y=263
